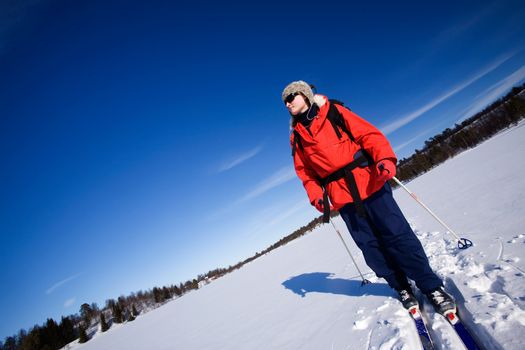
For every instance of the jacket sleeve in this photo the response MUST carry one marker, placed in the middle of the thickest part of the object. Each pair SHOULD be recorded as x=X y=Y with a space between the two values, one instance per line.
x=308 y=176
x=368 y=136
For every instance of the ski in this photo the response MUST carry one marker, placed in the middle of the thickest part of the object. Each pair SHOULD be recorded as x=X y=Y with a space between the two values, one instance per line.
x=422 y=330
x=462 y=332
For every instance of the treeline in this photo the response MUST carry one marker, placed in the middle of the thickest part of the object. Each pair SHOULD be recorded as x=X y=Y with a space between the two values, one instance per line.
x=48 y=336
x=296 y=234
x=506 y=111
x=82 y=326
x=91 y=318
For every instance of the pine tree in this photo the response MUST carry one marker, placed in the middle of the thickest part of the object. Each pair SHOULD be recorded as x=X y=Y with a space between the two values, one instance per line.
x=67 y=330
x=22 y=334
x=166 y=293
x=131 y=317
x=86 y=313
x=117 y=313
x=34 y=340
x=122 y=302
x=10 y=343
x=103 y=324
x=134 y=311
x=95 y=309
x=82 y=335
x=157 y=296
x=177 y=290
x=51 y=334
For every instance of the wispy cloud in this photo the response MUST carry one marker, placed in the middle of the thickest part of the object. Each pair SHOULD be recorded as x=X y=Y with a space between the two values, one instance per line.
x=413 y=139
x=241 y=158
x=301 y=205
x=61 y=283
x=404 y=120
x=454 y=33
x=70 y=302
x=278 y=178
x=492 y=93
x=483 y=12
x=270 y=217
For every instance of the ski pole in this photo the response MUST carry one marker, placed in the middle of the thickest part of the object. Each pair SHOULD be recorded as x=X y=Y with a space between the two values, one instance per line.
x=463 y=243
x=364 y=280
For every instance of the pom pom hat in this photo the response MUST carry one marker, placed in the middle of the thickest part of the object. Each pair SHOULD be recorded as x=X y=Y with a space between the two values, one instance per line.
x=299 y=86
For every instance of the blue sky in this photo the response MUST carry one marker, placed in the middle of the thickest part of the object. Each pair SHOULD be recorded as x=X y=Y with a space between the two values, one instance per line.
x=143 y=143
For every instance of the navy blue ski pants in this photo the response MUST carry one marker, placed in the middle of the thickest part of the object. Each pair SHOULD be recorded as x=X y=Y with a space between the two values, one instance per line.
x=390 y=247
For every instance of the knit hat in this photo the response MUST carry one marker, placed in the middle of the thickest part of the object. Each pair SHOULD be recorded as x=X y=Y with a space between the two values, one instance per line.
x=299 y=86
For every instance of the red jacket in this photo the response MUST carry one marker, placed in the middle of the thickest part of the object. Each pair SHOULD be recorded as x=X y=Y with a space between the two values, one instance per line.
x=322 y=153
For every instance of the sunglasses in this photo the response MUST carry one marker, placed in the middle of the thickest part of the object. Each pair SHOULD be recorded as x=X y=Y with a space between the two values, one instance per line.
x=291 y=97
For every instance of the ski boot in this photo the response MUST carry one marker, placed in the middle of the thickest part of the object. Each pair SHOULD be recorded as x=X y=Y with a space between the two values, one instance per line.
x=407 y=298
x=443 y=303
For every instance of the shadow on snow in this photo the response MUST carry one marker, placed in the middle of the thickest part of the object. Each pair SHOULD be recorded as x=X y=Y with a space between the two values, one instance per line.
x=321 y=282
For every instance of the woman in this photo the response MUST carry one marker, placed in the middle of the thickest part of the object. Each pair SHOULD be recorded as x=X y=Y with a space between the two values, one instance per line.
x=341 y=157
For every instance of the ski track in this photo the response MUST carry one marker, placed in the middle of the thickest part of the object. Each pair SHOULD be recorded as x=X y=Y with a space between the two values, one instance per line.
x=501 y=249
x=500 y=256
x=369 y=340
x=488 y=309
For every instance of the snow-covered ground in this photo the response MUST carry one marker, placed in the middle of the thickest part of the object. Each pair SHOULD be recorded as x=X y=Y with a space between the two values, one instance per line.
x=308 y=294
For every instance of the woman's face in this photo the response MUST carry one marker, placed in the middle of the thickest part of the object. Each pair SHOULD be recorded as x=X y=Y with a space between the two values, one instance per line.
x=297 y=106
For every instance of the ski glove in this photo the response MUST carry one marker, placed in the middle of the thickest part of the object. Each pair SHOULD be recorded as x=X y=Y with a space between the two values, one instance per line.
x=319 y=205
x=386 y=169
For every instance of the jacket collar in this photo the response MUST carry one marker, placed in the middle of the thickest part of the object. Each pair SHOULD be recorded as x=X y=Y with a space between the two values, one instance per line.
x=322 y=102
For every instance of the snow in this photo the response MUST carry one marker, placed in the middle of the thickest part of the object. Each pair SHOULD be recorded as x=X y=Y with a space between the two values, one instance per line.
x=308 y=294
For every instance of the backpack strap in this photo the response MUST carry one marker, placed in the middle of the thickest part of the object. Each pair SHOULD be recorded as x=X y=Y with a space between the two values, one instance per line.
x=337 y=121
x=361 y=159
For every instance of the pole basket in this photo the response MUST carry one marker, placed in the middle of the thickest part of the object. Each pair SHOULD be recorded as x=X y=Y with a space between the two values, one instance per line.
x=365 y=281
x=464 y=243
